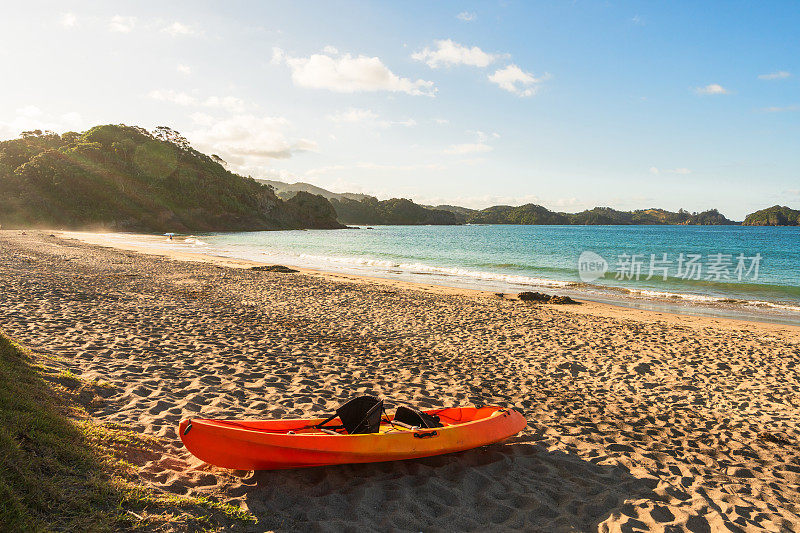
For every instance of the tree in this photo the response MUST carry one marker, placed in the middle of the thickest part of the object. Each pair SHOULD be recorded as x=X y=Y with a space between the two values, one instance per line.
x=164 y=133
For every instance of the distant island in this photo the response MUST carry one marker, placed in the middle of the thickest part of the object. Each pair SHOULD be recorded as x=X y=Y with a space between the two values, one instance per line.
x=536 y=214
x=361 y=209
x=124 y=178
x=773 y=216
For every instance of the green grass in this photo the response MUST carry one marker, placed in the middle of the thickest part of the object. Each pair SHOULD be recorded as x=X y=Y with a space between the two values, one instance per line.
x=59 y=471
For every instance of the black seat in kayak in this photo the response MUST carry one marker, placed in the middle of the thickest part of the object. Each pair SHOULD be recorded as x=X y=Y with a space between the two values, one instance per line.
x=413 y=417
x=360 y=415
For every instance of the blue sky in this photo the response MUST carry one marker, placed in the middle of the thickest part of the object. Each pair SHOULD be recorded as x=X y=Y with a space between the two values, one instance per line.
x=566 y=104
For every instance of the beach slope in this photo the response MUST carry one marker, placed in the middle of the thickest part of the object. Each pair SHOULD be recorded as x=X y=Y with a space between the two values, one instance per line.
x=636 y=420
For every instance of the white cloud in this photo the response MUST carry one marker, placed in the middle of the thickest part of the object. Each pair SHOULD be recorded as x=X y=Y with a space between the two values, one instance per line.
x=441 y=121
x=29 y=111
x=331 y=50
x=402 y=168
x=780 y=75
x=448 y=53
x=31 y=117
x=184 y=69
x=477 y=147
x=228 y=103
x=375 y=166
x=168 y=95
x=72 y=119
x=122 y=24
x=784 y=109
x=481 y=136
x=245 y=141
x=68 y=20
x=471 y=161
x=711 y=89
x=367 y=117
x=278 y=174
x=468 y=148
x=466 y=16
x=353 y=115
x=349 y=74
x=679 y=170
x=514 y=80
x=203 y=119
x=177 y=29
x=277 y=55
x=638 y=20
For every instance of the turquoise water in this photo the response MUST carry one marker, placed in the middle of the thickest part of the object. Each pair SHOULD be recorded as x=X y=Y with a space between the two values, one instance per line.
x=545 y=258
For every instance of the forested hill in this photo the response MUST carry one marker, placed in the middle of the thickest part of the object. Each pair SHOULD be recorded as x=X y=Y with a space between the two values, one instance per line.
x=370 y=210
x=776 y=215
x=125 y=178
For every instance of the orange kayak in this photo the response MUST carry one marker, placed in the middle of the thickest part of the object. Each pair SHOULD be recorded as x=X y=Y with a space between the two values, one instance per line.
x=275 y=444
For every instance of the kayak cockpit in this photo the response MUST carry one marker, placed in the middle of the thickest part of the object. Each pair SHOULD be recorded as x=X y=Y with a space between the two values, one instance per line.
x=446 y=417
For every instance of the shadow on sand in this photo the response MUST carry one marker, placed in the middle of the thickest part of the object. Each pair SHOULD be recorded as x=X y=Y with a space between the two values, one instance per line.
x=519 y=486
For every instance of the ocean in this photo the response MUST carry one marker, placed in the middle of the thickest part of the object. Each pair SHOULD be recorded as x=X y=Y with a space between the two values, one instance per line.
x=738 y=271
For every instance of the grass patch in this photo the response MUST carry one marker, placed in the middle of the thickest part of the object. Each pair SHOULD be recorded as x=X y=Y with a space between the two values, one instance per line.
x=60 y=471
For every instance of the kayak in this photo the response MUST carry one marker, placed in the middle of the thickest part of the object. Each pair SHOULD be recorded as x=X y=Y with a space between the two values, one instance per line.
x=299 y=443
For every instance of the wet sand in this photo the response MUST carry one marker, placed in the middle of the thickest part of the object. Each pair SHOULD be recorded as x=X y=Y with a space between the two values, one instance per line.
x=637 y=420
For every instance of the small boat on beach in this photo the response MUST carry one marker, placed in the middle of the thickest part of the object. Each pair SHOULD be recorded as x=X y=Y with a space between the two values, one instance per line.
x=357 y=433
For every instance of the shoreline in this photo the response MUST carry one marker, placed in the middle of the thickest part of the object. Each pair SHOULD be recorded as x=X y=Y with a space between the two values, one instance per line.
x=587 y=306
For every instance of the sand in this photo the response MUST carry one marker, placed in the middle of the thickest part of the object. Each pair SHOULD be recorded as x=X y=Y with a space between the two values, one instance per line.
x=638 y=421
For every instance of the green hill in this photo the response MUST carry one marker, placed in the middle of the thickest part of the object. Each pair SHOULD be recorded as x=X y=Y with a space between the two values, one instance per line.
x=776 y=215
x=524 y=214
x=125 y=178
x=458 y=210
x=370 y=210
x=608 y=216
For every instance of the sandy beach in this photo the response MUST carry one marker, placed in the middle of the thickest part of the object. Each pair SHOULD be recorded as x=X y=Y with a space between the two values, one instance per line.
x=637 y=421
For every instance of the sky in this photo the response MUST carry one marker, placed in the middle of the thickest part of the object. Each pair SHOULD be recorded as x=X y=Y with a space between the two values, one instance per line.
x=569 y=105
